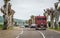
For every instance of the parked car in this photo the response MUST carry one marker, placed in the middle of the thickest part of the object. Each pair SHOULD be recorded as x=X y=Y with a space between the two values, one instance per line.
x=22 y=26
x=26 y=25
x=33 y=25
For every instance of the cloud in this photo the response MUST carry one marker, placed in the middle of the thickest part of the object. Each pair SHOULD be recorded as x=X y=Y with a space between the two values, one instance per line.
x=25 y=8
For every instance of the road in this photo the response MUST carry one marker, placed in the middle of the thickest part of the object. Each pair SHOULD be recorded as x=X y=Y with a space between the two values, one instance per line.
x=32 y=33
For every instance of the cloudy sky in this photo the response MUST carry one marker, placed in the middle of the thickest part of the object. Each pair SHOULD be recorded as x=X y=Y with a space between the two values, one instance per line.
x=25 y=8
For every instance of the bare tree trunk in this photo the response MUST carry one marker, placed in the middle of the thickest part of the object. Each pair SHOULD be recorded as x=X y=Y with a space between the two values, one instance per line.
x=46 y=14
x=52 y=21
x=8 y=15
x=5 y=22
x=10 y=21
x=52 y=24
x=5 y=16
x=56 y=22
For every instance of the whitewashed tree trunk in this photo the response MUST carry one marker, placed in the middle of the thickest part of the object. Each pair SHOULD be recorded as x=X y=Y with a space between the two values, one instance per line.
x=7 y=15
x=52 y=21
x=11 y=20
x=56 y=21
x=46 y=14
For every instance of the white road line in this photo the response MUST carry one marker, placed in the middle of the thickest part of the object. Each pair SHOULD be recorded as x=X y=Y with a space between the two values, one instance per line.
x=42 y=34
x=19 y=34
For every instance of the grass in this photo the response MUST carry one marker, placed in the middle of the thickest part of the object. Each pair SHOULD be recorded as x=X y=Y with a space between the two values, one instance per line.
x=9 y=28
x=1 y=25
x=58 y=29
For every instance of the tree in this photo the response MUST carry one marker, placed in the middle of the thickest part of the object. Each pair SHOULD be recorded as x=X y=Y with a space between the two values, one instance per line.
x=57 y=13
x=53 y=13
x=30 y=21
x=7 y=14
x=33 y=18
x=46 y=14
x=50 y=12
x=58 y=0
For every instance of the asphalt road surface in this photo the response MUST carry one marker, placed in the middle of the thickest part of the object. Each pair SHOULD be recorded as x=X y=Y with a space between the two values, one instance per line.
x=32 y=33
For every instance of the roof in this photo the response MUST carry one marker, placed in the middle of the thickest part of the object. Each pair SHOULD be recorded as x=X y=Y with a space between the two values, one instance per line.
x=40 y=16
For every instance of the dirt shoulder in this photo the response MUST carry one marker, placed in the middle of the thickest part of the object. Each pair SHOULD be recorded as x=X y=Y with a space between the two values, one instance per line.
x=10 y=33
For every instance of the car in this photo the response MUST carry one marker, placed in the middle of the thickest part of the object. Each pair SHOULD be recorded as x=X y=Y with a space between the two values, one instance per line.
x=33 y=26
x=22 y=26
x=26 y=25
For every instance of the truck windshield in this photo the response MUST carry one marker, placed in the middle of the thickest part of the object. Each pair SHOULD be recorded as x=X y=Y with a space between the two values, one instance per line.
x=41 y=18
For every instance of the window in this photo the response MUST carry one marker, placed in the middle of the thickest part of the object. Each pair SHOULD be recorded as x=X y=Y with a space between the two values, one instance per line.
x=41 y=18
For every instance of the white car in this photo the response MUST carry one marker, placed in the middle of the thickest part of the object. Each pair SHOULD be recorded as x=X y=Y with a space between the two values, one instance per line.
x=22 y=26
x=33 y=25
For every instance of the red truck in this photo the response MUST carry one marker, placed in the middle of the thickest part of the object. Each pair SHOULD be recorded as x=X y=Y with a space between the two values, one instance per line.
x=41 y=22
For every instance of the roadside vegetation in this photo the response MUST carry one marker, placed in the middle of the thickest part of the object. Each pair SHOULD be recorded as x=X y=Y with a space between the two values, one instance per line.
x=54 y=14
x=1 y=26
x=57 y=29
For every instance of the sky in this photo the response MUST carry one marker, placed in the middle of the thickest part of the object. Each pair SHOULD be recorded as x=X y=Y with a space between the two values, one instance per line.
x=25 y=8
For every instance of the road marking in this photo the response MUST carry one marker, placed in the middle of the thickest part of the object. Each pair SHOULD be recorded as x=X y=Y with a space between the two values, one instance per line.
x=20 y=33
x=42 y=34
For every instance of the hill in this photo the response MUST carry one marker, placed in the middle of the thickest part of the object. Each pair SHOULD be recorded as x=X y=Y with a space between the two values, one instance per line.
x=1 y=19
x=19 y=21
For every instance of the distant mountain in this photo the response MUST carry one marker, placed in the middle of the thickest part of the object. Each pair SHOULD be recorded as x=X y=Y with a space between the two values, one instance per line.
x=19 y=21
x=1 y=19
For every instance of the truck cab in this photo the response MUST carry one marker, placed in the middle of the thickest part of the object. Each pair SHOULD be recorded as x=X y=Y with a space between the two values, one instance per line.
x=41 y=22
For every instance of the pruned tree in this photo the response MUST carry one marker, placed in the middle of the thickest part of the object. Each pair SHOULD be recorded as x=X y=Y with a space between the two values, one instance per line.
x=50 y=12
x=30 y=21
x=10 y=15
x=46 y=14
x=7 y=14
x=57 y=14
x=33 y=18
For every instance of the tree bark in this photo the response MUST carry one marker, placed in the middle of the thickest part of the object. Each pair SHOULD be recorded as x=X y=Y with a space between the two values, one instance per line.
x=7 y=15
x=56 y=22
x=5 y=22
x=52 y=21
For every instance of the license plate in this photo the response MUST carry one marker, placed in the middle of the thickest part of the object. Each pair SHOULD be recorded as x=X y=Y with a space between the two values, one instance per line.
x=41 y=26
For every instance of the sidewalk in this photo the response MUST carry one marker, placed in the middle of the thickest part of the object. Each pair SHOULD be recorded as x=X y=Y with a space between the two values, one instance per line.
x=10 y=33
